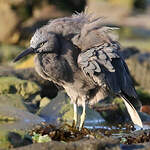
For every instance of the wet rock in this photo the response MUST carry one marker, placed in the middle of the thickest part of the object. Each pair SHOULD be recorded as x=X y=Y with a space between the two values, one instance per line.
x=18 y=93
x=60 y=109
x=135 y=146
x=121 y=134
x=135 y=140
x=14 y=100
x=20 y=121
x=16 y=140
x=13 y=85
x=48 y=89
x=13 y=139
x=84 y=144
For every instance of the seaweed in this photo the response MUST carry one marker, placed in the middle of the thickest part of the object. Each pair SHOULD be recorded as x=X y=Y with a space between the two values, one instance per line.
x=64 y=132
x=126 y=133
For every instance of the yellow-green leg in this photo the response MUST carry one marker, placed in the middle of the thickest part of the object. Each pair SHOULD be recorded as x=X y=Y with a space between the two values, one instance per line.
x=75 y=118
x=83 y=115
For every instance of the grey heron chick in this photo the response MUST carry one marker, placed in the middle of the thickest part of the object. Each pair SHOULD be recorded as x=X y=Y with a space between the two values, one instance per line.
x=79 y=54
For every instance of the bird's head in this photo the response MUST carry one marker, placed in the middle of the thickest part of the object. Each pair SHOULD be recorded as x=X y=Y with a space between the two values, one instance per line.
x=41 y=42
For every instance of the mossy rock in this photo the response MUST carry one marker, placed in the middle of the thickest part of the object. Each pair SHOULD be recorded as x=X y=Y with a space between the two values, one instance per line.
x=57 y=109
x=66 y=112
x=120 y=103
x=4 y=143
x=13 y=85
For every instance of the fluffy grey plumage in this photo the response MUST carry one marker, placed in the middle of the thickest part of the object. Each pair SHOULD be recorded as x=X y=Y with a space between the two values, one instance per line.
x=79 y=54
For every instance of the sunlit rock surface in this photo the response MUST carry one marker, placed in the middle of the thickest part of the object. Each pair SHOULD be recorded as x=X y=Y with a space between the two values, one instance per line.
x=60 y=109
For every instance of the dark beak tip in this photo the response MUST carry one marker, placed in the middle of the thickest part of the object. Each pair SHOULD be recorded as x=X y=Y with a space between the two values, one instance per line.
x=15 y=60
x=24 y=53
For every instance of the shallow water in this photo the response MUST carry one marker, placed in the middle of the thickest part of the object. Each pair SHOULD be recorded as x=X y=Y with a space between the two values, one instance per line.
x=116 y=129
x=25 y=120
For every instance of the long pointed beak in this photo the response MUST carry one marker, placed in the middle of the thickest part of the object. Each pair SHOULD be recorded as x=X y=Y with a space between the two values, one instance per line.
x=26 y=52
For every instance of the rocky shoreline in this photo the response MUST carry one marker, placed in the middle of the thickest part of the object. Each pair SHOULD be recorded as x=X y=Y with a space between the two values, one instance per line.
x=26 y=101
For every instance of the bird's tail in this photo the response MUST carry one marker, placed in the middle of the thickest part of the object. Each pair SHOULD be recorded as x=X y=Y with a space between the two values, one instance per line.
x=132 y=112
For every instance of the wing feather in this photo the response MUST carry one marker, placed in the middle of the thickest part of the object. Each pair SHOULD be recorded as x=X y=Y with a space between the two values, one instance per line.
x=105 y=61
x=133 y=113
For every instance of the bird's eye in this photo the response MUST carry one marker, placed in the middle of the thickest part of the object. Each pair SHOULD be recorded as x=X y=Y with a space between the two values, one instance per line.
x=41 y=44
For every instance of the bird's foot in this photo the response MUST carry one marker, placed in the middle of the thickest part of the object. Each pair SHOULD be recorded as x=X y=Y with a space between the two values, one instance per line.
x=74 y=124
x=81 y=127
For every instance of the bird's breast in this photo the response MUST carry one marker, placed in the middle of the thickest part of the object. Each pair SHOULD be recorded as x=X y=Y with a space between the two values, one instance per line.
x=51 y=67
x=39 y=69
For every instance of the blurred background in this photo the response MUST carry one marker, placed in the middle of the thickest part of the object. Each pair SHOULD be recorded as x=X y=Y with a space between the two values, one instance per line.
x=23 y=89
x=20 y=18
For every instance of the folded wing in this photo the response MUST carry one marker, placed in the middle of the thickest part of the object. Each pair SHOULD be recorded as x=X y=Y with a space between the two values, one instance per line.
x=105 y=66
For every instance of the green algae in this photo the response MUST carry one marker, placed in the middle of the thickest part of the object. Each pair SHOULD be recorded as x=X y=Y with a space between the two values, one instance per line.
x=13 y=85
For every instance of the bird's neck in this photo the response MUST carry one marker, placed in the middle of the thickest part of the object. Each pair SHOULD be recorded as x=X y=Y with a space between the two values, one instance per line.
x=54 y=68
